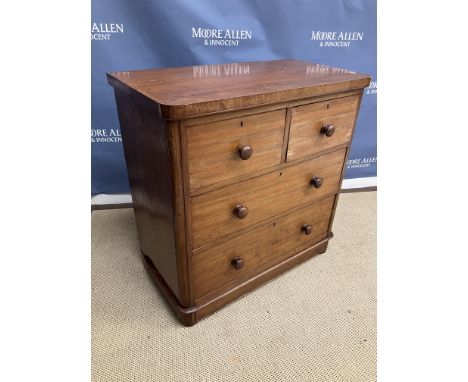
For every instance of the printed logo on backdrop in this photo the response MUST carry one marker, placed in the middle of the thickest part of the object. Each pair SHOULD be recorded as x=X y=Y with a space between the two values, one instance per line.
x=336 y=39
x=372 y=88
x=105 y=31
x=361 y=162
x=221 y=37
x=105 y=136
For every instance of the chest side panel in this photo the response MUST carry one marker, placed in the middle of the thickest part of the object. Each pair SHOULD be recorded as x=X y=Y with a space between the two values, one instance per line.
x=149 y=172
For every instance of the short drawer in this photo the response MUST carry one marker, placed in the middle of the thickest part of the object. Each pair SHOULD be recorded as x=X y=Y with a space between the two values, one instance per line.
x=261 y=248
x=320 y=126
x=241 y=205
x=227 y=149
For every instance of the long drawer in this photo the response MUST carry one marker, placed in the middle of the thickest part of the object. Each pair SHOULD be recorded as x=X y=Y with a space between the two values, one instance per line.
x=260 y=248
x=230 y=148
x=242 y=205
x=320 y=126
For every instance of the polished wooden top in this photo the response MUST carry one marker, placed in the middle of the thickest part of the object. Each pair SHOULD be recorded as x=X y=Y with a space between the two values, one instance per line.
x=195 y=90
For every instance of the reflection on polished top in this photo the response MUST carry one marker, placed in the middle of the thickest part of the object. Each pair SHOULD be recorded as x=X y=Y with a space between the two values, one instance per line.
x=196 y=90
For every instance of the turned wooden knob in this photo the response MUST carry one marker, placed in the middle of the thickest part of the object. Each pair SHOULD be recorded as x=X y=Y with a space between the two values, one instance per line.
x=307 y=229
x=316 y=181
x=241 y=211
x=327 y=130
x=237 y=262
x=245 y=152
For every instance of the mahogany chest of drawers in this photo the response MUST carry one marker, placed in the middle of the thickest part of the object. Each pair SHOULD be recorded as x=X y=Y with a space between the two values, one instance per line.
x=235 y=171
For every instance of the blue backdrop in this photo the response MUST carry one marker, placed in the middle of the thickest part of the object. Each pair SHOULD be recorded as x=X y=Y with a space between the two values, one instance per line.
x=129 y=35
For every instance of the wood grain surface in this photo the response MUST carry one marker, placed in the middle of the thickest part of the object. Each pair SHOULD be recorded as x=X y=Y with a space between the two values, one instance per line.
x=266 y=196
x=305 y=138
x=195 y=90
x=149 y=171
x=261 y=247
x=212 y=148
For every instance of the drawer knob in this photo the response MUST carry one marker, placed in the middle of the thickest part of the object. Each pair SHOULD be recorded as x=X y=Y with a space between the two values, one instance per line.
x=245 y=152
x=237 y=262
x=241 y=211
x=328 y=130
x=307 y=228
x=316 y=182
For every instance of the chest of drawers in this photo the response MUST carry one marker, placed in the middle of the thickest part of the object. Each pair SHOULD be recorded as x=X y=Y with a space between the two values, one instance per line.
x=234 y=170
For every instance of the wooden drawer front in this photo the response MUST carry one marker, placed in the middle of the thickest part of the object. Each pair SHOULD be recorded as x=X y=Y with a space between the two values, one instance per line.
x=213 y=148
x=262 y=247
x=305 y=136
x=212 y=214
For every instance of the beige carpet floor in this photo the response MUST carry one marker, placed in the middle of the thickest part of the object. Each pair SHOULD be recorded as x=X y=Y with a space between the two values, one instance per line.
x=316 y=322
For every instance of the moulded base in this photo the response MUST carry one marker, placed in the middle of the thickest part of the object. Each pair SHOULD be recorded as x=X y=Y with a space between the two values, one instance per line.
x=189 y=316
